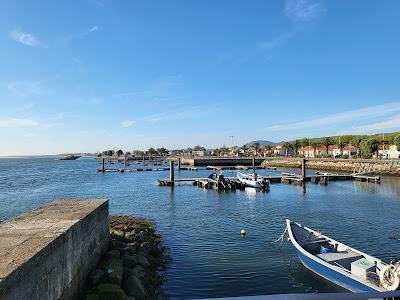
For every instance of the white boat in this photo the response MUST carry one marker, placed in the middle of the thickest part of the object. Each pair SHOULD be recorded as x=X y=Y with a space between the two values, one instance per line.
x=341 y=264
x=252 y=180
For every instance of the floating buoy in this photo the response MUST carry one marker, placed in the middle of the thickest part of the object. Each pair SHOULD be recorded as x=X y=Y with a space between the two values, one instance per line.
x=243 y=231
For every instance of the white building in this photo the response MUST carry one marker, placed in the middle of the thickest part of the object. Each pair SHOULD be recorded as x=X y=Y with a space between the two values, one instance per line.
x=392 y=152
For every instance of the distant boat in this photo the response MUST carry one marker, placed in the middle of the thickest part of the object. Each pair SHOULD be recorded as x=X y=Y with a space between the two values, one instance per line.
x=252 y=180
x=341 y=264
x=69 y=157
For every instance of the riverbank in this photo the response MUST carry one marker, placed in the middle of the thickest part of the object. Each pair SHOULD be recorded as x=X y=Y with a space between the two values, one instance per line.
x=378 y=167
x=131 y=267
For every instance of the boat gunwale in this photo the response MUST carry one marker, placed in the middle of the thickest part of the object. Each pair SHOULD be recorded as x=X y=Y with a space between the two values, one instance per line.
x=326 y=264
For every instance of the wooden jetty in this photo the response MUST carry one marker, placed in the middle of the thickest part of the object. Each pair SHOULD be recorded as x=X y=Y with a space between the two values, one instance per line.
x=219 y=182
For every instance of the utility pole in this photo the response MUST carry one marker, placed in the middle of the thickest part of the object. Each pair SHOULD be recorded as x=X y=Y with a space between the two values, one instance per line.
x=231 y=136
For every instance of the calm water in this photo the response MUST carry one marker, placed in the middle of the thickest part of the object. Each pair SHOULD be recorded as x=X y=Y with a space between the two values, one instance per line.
x=201 y=227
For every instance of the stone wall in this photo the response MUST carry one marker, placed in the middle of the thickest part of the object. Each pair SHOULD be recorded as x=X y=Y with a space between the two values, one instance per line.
x=378 y=167
x=48 y=252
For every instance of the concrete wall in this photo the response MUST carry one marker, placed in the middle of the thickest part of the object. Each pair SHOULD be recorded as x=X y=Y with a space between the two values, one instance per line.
x=221 y=161
x=48 y=252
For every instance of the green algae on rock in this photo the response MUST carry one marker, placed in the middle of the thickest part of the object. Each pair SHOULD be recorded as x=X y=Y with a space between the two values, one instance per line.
x=131 y=267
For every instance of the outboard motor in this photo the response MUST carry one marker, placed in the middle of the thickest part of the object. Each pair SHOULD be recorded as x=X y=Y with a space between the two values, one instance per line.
x=390 y=276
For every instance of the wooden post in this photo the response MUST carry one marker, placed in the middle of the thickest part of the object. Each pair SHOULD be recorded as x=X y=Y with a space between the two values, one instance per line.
x=125 y=161
x=179 y=163
x=102 y=164
x=254 y=164
x=171 y=172
x=303 y=167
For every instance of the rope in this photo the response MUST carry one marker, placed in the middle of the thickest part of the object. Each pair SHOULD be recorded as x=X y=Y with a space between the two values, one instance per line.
x=282 y=237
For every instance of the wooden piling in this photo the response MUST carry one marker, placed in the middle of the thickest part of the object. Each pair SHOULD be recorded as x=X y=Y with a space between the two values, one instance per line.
x=254 y=164
x=171 y=173
x=179 y=163
x=303 y=167
x=103 y=165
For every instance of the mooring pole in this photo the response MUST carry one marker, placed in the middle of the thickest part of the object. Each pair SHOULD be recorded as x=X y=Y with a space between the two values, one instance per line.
x=125 y=161
x=171 y=173
x=179 y=164
x=254 y=164
x=102 y=164
x=303 y=167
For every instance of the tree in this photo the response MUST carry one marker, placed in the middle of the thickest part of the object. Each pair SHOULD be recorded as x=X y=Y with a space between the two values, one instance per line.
x=120 y=152
x=341 y=143
x=327 y=141
x=289 y=147
x=304 y=142
x=355 y=141
x=314 y=145
x=152 y=151
x=396 y=142
x=199 y=148
x=110 y=152
x=296 y=145
x=368 y=147
x=162 y=151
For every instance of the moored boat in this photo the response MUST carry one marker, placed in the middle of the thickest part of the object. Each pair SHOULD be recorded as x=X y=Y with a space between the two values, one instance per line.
x=341 y=264
x=69 y=157
x=252 y=180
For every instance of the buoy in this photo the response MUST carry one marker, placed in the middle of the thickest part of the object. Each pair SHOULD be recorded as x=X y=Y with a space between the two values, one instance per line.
x=243 y=231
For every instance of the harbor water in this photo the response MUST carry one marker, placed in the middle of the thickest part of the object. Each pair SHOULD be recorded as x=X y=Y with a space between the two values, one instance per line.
x=202 y=228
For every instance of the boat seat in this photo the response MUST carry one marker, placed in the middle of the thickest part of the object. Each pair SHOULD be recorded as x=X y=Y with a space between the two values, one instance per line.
x=343 y=258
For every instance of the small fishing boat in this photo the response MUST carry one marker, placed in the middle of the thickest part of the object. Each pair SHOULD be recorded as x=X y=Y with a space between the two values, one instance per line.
x=252 y=180
x=341 y=264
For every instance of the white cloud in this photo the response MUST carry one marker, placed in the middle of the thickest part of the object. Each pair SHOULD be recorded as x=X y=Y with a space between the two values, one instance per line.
x=304 y=10
x=15 y=123
x=392 y=123
x=277 y=41
x=24 y=88
x=127 y=123
x=24 y=38
x=93 y=29
x=353 y=115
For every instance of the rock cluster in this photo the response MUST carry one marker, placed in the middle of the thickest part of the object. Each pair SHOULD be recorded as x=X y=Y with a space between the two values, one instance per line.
x=352 y=166
x=131 y=268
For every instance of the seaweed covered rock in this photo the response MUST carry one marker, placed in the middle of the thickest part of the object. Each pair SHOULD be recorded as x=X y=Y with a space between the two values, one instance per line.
x=134 y=287
x=131 y=268
x=109 y=291
x=114 y=269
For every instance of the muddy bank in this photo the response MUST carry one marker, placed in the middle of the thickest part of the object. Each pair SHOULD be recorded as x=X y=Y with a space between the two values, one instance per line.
x=132 y=267
x=390 y=168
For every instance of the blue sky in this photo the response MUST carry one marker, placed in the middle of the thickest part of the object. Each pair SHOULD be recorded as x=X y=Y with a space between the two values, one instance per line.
x=93 y=74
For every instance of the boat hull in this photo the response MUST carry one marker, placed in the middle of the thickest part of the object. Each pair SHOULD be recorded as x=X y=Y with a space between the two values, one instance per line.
x=332 y=275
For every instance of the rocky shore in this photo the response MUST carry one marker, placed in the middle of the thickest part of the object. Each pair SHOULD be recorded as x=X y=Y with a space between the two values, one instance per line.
x=385 y=167
x=132 y=267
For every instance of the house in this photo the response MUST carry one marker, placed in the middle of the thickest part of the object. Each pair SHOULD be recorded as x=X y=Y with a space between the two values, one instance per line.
x=350 y=151
x=307 y=151
x=320 y=150
x=334 y=151
x=392 y=152
x=279 y=150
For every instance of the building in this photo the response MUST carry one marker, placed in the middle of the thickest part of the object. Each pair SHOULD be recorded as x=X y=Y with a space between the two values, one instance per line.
x=307 y=151
x=279 y=150
x=334 y=151
x=392 y=152
x=350 y=151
